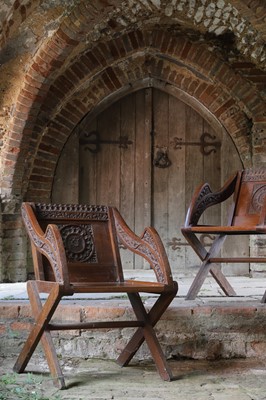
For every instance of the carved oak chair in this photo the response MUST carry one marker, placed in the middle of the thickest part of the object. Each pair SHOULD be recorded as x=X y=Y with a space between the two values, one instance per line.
x=247 y=216
x=75 y=250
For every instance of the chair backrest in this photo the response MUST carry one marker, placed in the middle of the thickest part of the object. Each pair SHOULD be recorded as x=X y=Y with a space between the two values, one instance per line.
x=89 y=239
x=249 y=195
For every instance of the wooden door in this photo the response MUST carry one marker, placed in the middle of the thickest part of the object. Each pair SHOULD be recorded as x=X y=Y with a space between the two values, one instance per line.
x=196 y=154
x=145 y=154
x=115 y=163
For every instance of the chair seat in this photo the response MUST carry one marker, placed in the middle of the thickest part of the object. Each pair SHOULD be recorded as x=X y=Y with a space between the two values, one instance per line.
x=128 y=286
x=229 y=230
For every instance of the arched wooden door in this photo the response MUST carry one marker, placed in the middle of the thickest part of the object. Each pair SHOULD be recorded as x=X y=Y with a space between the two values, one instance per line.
x=145 y=154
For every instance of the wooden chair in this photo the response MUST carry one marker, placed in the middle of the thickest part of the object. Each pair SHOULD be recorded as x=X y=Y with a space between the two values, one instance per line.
x=75 y=250
x=247 y=216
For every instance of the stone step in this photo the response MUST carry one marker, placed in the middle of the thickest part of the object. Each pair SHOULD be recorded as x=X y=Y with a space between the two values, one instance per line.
x=211 y=327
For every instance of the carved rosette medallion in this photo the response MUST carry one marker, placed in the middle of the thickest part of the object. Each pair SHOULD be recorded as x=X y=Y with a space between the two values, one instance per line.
x=258 y=198
x=78 y=242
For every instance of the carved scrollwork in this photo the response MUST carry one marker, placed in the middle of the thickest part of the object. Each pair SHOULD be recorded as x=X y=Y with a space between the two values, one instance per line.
x=68 y=211
x=52 y=254
x=78 y=242
x=253 y=175
x=48 y=249
x=203 y=193
x=147 y=237
x=206 y=198
x=207 y=201
x=144 y=246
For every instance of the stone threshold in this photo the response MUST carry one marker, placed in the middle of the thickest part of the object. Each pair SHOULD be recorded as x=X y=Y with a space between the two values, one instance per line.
x=246 y=288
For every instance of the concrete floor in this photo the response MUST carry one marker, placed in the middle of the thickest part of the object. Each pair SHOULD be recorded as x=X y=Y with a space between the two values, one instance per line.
x=105 y=380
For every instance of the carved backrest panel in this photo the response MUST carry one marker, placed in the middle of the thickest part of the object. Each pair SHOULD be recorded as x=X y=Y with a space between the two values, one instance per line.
x=89 y=240
x=251 y=197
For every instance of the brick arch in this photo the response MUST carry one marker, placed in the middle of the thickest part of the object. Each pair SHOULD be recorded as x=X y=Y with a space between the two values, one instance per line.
x=43 y=108
x=210 y=83
x=113 y=79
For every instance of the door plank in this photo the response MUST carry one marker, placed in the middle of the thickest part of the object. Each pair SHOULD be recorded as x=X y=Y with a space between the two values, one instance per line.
x=127 y=171
x=88 y=170
x=143 y=165
x=212 y=172
x=194 y=172
x=160 y=175
x=108 y=163
x=177 y=211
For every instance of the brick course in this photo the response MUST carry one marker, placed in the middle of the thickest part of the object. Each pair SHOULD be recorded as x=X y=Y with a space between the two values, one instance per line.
x=185 y=331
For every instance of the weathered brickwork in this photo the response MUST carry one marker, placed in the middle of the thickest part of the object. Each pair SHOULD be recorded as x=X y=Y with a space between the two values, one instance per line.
x=60 y=61
x=13 y=243
x=192 y=332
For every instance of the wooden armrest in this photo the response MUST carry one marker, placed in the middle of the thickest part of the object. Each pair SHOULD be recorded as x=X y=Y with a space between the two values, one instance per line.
x=204 y=198
x=148 y=245
x=48 y=243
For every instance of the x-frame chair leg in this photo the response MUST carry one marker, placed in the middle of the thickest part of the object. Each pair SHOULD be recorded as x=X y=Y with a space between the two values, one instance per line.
x=42 y=315
x=150 y=337
x=214 y=269
x=141 y=334
x=46 y=340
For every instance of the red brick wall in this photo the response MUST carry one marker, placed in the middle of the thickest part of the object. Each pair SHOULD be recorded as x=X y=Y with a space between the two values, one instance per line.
x=206 y=332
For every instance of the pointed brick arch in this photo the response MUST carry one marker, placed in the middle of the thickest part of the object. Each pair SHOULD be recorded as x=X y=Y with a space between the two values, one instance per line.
x=58 y=91
x=92 y=78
